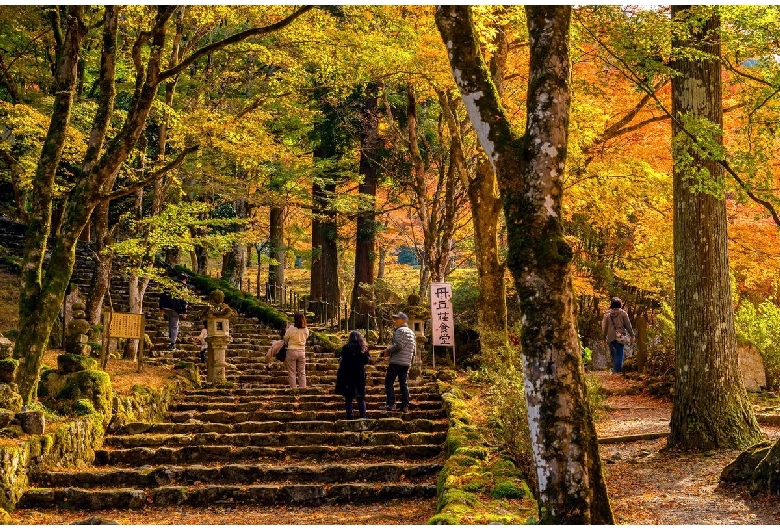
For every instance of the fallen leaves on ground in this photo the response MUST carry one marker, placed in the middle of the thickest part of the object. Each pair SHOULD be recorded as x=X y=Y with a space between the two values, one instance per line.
x=395 y=512
x=651 y=485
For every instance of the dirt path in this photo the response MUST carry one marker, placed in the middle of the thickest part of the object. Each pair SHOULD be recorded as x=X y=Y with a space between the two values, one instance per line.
x=416 y=512
x=650 y=486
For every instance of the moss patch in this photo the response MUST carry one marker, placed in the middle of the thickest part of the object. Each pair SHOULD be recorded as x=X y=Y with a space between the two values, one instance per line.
x=92 y=385
x=242 y=302
x=477 y=485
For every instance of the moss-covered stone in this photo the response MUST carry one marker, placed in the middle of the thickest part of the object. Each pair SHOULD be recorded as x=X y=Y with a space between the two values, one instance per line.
x=69 y=363
x=511 y=489
x=444 y=518
x=742 y=468
x=478 y=452
x=766 y=477
x=8 y=370
x=92 y=385
x=6 y=417
x=5 y=518
x=83 y=407
x=10 y=398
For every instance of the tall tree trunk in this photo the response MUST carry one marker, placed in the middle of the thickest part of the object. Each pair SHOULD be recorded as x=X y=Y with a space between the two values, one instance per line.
x=325 y=269
x=711 y=407
x=101 y=279
x=529 y=170
x=234 y=263
x=420 y=191
x=315 y=290
x=365 y=231
x=485 y=211
x=380 y=273
x=39 y=303
x=135 y=295
x=276 y=249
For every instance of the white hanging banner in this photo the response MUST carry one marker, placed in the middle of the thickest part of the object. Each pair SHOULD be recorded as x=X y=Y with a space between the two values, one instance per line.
x=442 y=323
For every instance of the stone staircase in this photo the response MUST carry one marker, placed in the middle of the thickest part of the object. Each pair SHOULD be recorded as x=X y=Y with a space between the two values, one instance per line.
x=261 y=443
x=254 y=441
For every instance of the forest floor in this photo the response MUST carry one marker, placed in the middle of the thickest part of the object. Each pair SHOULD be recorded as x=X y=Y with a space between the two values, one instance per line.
x=651 y=485
x=405 y=512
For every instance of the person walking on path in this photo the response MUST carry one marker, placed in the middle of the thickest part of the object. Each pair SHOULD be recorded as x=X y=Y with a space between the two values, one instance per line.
x=174 y=308
x=401 y=354
x=351 y=376
x=202 y=342
x=295 y=337
x=617 y=331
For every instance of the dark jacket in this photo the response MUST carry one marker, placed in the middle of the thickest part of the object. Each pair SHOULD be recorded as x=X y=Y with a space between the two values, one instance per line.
x=404 y=346
x=176 y=304
x=351 y=377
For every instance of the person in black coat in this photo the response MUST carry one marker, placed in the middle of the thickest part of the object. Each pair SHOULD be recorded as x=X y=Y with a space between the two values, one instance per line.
x=351 y=377
x=174 y=308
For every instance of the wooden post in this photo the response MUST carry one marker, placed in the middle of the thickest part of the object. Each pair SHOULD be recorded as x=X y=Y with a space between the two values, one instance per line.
x=141 y=343
x=641 y=343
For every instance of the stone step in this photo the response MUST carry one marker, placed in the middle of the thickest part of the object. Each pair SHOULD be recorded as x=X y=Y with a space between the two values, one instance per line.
x=315 y=398
x=251 y=406
x=289 y=415
x=353 y=439
x=238 y=474
x=211 y=495
x=389 y=424
x=200 y=454
x=213 y=393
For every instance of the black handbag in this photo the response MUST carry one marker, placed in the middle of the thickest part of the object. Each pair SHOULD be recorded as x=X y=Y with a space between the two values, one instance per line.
x=281 y=355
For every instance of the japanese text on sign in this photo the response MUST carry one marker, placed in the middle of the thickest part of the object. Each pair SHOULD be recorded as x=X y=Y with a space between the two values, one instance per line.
x=125 y=325
x=441 y=314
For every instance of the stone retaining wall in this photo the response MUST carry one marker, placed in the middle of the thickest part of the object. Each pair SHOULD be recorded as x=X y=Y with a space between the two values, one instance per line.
x=74 y=443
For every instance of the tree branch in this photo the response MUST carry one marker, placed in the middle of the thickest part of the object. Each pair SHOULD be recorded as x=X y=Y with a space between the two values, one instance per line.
x=129 y=190
x=238 y=37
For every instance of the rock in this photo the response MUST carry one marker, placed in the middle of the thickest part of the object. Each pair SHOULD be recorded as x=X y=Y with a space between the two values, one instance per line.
x=5 y=518
x=69 y=363
x=6 y=348
x=742 y=468
x=32 y=421
x=446 y=375
x=752 y=367
x=95 y=520
x=6 y=417
x=93 y=385
x=8 y=370
x=766 y=477
x=10 y=398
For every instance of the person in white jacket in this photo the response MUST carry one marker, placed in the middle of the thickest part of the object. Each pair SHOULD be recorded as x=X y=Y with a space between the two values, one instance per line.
x=296 y=337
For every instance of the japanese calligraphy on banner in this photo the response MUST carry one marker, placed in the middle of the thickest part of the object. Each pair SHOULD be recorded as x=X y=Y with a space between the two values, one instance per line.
x=124 y=325
x=441 y=315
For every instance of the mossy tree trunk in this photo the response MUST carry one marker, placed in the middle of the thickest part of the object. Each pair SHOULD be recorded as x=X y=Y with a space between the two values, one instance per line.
x=711 y=407
x=43 y=290
x=529 y=169
x=485 y=203
x=276 y=248
x=365 y=230
x=101 y=279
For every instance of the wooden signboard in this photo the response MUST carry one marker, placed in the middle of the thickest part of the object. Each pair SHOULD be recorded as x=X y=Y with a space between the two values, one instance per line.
x=125 y=326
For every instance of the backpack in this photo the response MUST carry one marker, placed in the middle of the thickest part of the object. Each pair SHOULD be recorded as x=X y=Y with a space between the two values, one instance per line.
x=620 y=334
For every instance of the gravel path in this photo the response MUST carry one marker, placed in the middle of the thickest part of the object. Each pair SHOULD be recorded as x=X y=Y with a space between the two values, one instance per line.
x=650 y=485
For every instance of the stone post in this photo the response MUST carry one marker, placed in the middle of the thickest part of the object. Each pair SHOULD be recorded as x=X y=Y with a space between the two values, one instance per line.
x=218 y=326
x=215 y=358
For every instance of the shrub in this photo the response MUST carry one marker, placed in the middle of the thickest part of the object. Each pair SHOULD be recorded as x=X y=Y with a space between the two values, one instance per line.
x=660 y=354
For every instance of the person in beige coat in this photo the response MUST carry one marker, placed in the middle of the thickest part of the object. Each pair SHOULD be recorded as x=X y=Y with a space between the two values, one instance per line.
x=295 y=337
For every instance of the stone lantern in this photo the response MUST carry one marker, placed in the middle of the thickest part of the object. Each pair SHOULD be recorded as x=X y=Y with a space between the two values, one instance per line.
x=218 y=328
